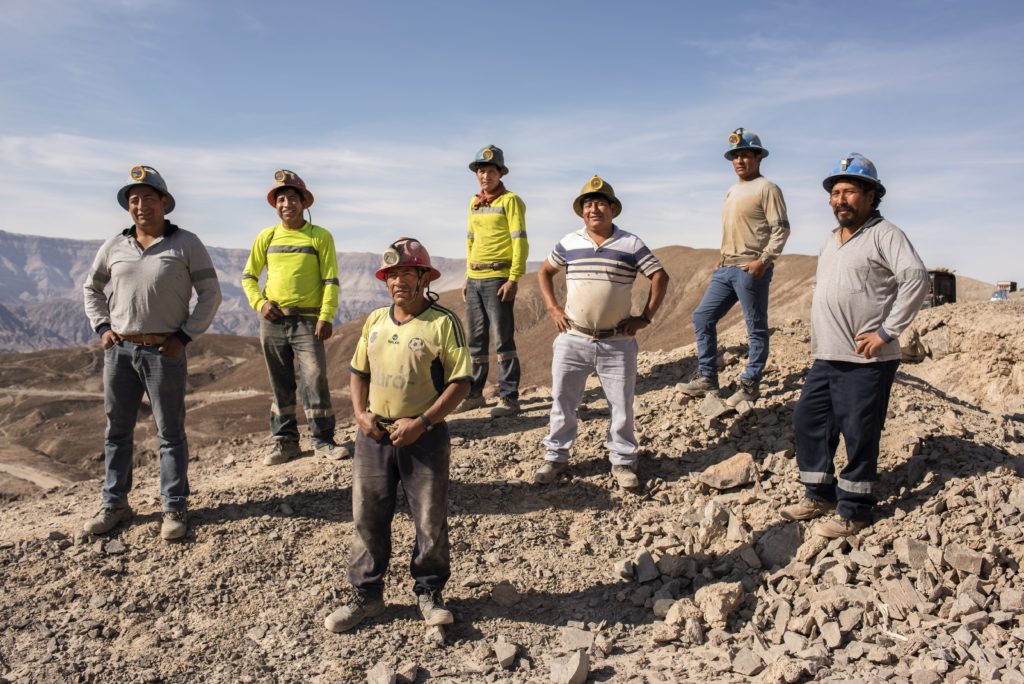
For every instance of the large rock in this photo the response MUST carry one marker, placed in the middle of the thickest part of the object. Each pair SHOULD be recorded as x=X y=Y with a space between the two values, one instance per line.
x=747 y=663
x=646 y=570
x=381 y=673
x=963 y=559
x=505 y=595
x=571 y=669
x=778 y=546
x=911 y=552
x=504 y=652
x=718 y=601
x=574 y=639
x=736 y=471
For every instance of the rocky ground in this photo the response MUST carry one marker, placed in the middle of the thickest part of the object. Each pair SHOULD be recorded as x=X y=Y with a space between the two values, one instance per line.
x=694 y=579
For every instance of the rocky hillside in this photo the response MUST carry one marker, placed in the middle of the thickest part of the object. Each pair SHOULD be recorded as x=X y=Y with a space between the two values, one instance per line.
x=694 y=579
x=41 y=290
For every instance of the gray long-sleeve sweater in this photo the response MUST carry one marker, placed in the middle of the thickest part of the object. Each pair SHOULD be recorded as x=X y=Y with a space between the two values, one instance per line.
x=875 y=282
x=151 y=289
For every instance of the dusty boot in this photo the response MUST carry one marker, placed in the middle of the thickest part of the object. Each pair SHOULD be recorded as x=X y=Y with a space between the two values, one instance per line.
x=361 y=607
x=807 y=509
x=432 y=609
x=107 y=519
x=748 y=390
x=549 y=472
x=282 y=453
x=625 y=476
x=470 y=403
x=699 y=386
x=507 y=406
x=174 y=525
x=838 y=527
x=331 y=451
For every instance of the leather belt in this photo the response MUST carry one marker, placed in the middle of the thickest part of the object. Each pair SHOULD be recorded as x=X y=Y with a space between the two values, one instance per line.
x=595 y=333
x=146 y=338
x=299 y=310
x=493 y=266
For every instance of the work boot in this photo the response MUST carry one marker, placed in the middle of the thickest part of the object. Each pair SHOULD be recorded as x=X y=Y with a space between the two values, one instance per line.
x=507 y=406
x=748 y=390
x=625 y=476
x=699 y=386
x=838 y=527
x=549 y=472
x=807 y=509
x=107 y=519
x=174 y=525
x=433 y=610
x=282 y=453
x=331 y=451
x=470 y=403
x=361 y=607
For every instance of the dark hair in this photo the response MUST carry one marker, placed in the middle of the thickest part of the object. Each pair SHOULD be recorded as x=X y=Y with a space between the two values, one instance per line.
x=297 y=191
x=864 y=185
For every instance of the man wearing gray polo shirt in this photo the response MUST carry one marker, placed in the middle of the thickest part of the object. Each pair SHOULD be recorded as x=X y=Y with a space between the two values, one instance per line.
x=869 y=287
x=596 y=328
x=152 y=269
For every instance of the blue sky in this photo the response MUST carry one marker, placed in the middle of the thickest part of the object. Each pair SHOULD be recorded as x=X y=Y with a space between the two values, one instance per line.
x=380 y=106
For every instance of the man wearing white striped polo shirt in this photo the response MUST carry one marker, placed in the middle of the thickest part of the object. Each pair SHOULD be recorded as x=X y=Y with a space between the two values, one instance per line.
x=597 y=329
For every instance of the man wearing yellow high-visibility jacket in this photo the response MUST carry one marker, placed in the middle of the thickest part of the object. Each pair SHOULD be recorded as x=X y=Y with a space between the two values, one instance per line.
x=297 y=307
x=496 y=252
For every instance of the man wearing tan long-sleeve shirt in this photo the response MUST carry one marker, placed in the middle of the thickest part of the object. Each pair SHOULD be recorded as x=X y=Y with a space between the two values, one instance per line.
x=754 y=231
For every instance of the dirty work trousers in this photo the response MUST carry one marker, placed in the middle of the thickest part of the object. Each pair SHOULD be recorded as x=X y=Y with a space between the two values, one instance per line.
x=728 y=285
x=285 y=341
x=574 y=358
x=486 y=314
x=848 y=399
x=129 y=371
x=422 y=469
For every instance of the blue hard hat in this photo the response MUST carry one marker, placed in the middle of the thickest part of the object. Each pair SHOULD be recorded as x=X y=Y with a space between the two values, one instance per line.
x=489 y=155
x=742 y=139
x=145 y=175
x=854 y=165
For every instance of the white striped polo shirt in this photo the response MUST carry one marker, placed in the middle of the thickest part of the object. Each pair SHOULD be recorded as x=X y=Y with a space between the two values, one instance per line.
x=599 y=278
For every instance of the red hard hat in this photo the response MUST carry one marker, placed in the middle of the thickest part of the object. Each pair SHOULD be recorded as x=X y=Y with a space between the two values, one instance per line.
x=406 y=252
x=283 y=178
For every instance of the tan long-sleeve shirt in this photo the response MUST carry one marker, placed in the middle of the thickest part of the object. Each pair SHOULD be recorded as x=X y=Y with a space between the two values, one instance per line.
x=754 y=223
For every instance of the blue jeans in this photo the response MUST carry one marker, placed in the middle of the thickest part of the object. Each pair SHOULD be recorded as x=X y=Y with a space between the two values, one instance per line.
x=573 y=360
x=129 y=370
x=728 y=285
x=422 y=469
x=850 y=399
x=486 y=313
x=284 y=341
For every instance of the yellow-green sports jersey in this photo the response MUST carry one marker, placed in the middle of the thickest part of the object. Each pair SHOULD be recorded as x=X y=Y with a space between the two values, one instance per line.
x=302 y=271
x=497 y=234
x=410 y=364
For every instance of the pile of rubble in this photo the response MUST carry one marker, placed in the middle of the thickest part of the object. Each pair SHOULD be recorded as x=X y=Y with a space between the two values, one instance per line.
x=695 y=578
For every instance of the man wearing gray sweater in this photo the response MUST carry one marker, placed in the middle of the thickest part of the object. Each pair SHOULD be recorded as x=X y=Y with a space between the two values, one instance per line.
x=151 y=268
x=869 y=287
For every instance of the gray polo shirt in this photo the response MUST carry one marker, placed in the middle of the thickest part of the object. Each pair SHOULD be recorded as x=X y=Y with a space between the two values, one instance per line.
x=150 y=289
x=875 y=282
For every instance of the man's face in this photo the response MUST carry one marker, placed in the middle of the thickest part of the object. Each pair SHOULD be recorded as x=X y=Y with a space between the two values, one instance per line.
x=851 y=203
x=289 y=206
x=488 y=175
x=406 y=284
x=146 y=207
x=746 y=164
x=597 y=213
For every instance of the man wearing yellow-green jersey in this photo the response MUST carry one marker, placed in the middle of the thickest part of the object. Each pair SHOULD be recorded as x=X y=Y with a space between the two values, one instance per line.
x=297 y=307
x=409 y=370
x=496 y=253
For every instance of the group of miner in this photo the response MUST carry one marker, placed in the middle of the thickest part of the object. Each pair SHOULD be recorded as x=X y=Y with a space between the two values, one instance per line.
x=415 y=364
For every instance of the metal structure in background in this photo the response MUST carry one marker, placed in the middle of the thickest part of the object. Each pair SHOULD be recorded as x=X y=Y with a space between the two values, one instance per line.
x=943 y=288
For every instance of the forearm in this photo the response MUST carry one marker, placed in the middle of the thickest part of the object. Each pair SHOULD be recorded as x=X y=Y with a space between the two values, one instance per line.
x=446 y=402
x=659 y=286
x=359 y=390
